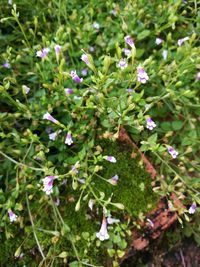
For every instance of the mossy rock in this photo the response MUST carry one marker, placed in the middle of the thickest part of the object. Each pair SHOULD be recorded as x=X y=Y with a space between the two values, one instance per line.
x=133 y=190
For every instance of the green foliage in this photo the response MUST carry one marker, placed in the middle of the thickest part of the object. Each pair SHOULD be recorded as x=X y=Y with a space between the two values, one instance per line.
x=59 y=229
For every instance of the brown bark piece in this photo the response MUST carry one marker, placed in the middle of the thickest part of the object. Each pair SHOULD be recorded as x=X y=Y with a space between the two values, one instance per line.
x=162 y=217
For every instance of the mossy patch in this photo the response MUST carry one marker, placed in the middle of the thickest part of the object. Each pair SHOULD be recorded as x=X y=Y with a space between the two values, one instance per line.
x=133 y=189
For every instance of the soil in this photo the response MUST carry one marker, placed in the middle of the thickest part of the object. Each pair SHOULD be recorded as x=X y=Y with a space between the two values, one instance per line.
x=184 y=254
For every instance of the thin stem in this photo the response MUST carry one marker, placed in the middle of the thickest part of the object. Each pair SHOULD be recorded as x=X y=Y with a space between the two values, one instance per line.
x=33 y=227
x=69 y=236
x=20 y=26
x=19 y=163
x=182 y=180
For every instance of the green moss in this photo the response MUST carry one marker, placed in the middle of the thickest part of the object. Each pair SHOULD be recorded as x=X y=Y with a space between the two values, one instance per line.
x=133 y=190
x=134 y=184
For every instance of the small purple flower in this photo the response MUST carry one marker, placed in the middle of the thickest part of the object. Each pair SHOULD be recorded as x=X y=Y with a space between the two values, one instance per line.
x=129 y=41
x=113 y=12
x=129 y=90
x=159 y=41
x=164 y=54
x=75 y=77
x=26 y=89
x=182 y=40
x=52 y=136
x=150 y=124
x=48 y=184
x=122 y=64
x=74 y=168
x=114 y=180
x=96 y=25
x=84 y=72
x=142 y=75
x=57 y=202
x=81 y=180
x=91 y=48
x=48 y=130
x=127 y=52
x=198 y=76
x=85 y=59
x=150 y=222
x=68 y=139
x=12 y=216
x=6 y=65
x=192 y=208
x=48 y=117
x=57 y=49
x=110 y=158
x=103 y=233
x=173 y=152
x=42 y=53
x=112 y=220
x=69 y=91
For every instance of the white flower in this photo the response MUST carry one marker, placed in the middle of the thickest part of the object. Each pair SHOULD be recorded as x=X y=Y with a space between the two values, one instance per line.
x=96 y=25
x=12 y=216
x=129 y=41
x=85 y=59
x=182 y=40
x=91 y=203
x=68 y=139
x=142 y=75
x=48 y=184
x=48 y=117
x=26 y=89
x=159 y=41
x=114 y=180
x=150 y=124
x=112 y=220
x=52 y=136
x=110 y=158
x=164 y=54
x=103 y=233
x=150 y=222
x=122 y=64
x=192 y=208
x=127 y=52
x=173 y=152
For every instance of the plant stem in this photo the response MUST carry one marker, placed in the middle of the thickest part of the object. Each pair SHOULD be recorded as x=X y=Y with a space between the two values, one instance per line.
x=19 y=163
x=33 y=227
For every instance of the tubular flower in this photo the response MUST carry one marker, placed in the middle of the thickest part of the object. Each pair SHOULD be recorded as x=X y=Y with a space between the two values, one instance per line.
x=75 y=77
x=150 y=124
x=103 y=233
x=173 y=152
x=142 y=75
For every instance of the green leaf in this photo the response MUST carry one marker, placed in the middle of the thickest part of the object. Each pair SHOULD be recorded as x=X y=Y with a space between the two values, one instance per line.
x=143 y=34
x=74 y=264
x=166 y=126
x=177 y=125
x=63 y=254
x=152 y=139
